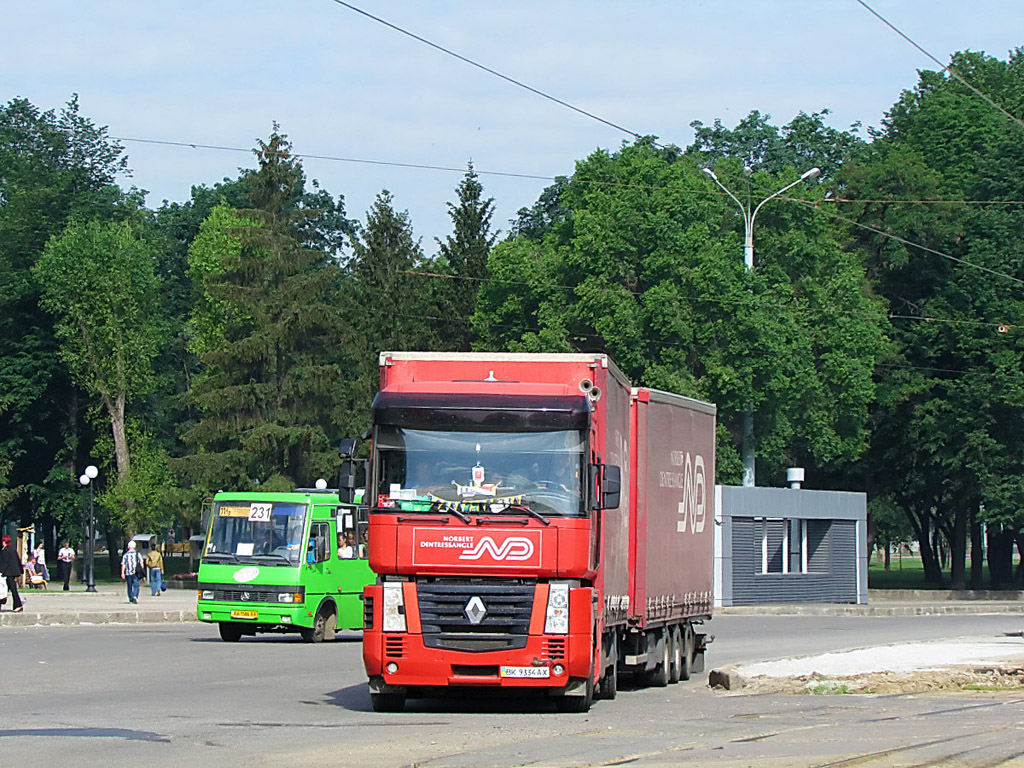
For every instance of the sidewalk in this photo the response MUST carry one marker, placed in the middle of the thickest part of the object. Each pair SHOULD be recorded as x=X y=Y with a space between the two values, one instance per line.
x=108 y=605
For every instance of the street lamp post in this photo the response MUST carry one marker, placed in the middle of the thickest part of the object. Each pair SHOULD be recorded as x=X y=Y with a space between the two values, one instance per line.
x=747 y=442
x=90 y=474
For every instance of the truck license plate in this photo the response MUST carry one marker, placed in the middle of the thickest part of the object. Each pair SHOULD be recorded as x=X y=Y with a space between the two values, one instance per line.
x=243 y=614
x=525 y=672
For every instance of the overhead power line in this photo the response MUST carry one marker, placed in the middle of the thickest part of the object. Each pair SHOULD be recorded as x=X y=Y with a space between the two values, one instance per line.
x=490 y=71
x=944 y=67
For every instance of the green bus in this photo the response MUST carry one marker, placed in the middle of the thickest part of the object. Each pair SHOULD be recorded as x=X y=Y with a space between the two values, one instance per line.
x=283 y=562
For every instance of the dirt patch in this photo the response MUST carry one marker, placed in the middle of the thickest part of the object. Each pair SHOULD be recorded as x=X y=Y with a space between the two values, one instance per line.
x=1007 y=677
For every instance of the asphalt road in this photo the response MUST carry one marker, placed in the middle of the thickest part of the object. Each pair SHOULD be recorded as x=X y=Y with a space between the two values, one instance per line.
x=158 y=695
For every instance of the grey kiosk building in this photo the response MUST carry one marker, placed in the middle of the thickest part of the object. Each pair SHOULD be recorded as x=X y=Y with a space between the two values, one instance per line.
x=787 y=545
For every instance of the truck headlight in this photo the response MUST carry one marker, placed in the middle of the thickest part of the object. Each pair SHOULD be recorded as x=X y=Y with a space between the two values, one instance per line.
x=556 y=621
x=393 y=608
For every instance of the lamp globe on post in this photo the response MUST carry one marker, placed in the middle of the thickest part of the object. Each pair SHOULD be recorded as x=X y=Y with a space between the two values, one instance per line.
x=91 y=473
x=749 y=214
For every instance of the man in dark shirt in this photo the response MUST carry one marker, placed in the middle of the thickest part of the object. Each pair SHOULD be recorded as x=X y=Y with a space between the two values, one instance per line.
x=10 y=568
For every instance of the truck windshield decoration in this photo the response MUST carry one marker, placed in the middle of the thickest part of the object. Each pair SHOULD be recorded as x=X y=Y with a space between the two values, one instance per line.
x=531 y=473
x=259 y=532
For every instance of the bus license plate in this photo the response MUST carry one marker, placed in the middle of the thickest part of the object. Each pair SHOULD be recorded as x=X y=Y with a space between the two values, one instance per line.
x=540 y=672
x=243 y=614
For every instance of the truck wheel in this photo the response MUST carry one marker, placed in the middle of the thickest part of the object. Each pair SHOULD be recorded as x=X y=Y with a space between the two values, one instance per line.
x=676 y=654
x=229 y=633
x=689 y=645
x=387 y=702
x=578 y=703
x=609 y=683
x=658 y=677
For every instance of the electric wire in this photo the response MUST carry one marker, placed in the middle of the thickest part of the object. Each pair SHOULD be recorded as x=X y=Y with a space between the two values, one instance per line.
x=487 y=69
x=945 y=67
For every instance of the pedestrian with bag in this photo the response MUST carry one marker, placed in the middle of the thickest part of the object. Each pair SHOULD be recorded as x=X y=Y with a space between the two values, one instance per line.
x=40 y=555
x=132 y=571
x=155 y=564
x=11 y=570
x=65 y=556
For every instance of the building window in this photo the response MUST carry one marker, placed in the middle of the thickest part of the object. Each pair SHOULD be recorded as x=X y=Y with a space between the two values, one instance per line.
x=783 y=545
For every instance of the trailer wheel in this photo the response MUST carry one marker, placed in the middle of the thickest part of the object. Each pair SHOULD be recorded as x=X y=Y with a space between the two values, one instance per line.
x=675 y=669
x=609 y=683
x=229 y=633
x=689 y=648
x=658 y=677
x=387 y=702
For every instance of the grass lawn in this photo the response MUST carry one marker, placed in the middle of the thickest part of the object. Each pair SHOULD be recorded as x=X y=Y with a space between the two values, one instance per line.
x=908 y=573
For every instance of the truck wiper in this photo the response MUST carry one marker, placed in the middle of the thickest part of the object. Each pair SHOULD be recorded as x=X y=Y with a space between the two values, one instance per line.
x=528 y=510
x=437 y=507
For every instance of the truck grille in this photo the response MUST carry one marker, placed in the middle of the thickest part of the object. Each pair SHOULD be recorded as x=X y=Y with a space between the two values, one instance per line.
x=502 y=612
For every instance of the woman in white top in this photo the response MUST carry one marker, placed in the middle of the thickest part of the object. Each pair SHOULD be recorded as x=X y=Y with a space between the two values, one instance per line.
x=40 y=553
x=65 y=556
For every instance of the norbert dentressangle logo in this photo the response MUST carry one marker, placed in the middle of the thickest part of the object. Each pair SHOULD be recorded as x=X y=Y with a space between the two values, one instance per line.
x=513 y=548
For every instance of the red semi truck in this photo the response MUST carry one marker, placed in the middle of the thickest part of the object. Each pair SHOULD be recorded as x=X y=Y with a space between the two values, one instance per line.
x=535 y=522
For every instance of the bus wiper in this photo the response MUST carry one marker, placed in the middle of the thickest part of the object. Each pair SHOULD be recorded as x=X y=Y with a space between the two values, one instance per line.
x=528 y=510
x=273 y=559
x=437 y=507
x=219 y=557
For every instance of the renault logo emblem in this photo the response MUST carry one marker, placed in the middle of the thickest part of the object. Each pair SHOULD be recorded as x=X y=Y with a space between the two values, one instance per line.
x=475 y=610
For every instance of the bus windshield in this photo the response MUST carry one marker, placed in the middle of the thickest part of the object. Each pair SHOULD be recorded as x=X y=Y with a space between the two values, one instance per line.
x=481 y=472
x=270 y=533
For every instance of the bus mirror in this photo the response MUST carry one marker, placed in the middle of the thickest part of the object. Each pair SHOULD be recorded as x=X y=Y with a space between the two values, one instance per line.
x=611 y=487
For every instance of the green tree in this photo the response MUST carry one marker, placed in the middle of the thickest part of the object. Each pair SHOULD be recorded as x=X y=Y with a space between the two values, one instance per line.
x=648 y=267
x=949 y=426
x=463 y=255
x=267 y=394
x=388 y=303
x=53 y=166
x=99 y=283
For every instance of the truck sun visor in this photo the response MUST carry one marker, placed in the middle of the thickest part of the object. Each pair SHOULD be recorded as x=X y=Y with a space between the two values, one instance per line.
x=515 y=413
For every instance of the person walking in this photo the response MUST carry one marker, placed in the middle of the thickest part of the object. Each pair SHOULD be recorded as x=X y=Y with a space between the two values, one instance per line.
x=131 y=565
x=155 y=563
x=65 y=556
x=10 y=568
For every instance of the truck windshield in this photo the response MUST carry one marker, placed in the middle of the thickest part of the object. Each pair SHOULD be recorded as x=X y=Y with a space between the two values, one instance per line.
x=481 y=472
x=270 y=533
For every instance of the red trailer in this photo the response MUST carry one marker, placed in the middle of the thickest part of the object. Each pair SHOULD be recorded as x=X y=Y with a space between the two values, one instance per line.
x=535 y=522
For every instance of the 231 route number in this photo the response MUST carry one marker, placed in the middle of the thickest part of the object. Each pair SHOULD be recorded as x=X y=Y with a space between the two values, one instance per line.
x=260 y=513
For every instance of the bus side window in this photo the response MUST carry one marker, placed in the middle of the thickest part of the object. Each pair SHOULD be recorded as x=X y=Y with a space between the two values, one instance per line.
x=362 y=531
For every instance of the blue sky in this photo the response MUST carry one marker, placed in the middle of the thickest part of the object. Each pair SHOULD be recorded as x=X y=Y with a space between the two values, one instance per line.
x=339 y=84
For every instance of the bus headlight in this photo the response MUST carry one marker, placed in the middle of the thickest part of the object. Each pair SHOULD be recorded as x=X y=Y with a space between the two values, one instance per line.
x=206 y=594
x=289 y=597
x=393 y=609
x=556 y=621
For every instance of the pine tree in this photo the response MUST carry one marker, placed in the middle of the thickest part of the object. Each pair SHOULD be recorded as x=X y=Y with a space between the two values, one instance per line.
x=464 y=256
x=268 y=391
x=391 y=306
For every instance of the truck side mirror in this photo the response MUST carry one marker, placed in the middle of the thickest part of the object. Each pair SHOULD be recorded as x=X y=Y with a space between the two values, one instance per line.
x=347 y=448
x=611 y=487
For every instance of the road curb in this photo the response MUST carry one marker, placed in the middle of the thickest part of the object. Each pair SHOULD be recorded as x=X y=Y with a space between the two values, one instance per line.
x=73 y=618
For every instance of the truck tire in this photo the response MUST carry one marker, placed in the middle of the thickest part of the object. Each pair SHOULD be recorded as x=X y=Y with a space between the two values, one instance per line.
x=609 y=683
x=689 y=648
x=676 y=654
x=229 y=633
x=658 y=677
x=578 y=704
x=388 y=702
